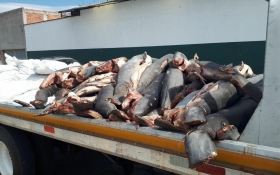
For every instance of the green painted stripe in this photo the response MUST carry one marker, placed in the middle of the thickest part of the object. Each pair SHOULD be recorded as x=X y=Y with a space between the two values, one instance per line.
x=252 y=53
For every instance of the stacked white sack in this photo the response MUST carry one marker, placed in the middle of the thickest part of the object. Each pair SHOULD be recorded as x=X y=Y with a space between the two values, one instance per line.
x=46 y=67
x=20 y=79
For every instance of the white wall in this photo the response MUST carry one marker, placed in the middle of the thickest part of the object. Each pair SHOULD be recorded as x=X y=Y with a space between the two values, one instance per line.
x=153 y=23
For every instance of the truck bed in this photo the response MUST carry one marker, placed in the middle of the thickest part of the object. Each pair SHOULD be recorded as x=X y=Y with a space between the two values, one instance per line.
x=151 y=146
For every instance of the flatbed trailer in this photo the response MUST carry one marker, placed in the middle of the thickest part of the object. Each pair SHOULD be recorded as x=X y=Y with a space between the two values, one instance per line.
x=161 y=149
x=164 y=149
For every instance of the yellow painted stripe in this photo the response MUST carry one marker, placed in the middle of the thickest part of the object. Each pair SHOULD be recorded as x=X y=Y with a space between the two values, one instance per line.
x=110 y=132
x=243 y=160
x=239 y=159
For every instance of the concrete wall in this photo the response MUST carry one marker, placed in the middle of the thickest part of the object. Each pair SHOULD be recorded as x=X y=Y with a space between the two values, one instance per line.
x=153 y=23
x=12 y=34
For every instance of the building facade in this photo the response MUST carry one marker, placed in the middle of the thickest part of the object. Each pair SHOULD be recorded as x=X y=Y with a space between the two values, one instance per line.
x=221 y=31
x=12 y=36
x=12 y=32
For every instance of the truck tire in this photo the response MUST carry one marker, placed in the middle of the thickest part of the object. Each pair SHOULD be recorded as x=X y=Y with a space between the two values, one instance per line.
x=43 y=151
x=16 y=156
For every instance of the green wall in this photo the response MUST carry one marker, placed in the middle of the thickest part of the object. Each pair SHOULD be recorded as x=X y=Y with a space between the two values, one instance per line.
x=252 y=53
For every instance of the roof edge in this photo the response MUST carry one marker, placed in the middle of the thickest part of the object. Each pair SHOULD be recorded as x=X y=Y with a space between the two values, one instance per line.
x=93 y=5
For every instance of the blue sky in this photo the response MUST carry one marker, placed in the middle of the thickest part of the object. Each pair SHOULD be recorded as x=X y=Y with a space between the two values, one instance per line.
x=48 y=5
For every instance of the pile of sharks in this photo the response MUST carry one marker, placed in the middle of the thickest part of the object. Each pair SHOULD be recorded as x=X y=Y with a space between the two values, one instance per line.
x=204 y=100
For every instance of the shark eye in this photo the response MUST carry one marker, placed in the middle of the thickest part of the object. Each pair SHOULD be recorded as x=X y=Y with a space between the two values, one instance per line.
x=224 y=124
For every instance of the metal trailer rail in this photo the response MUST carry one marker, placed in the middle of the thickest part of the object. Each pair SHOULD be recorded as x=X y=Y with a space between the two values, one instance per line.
x=153 y=147
x=165 y=150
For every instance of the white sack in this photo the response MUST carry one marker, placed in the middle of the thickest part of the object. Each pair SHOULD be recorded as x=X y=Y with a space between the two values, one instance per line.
x=5 y=68
x=16 y=88
x=26 y=67
x=12 y=61
x=36 y=77
x=25 y=97
x=48 y=66
x=9 y=76
x=10 y=89
x=13 y=75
